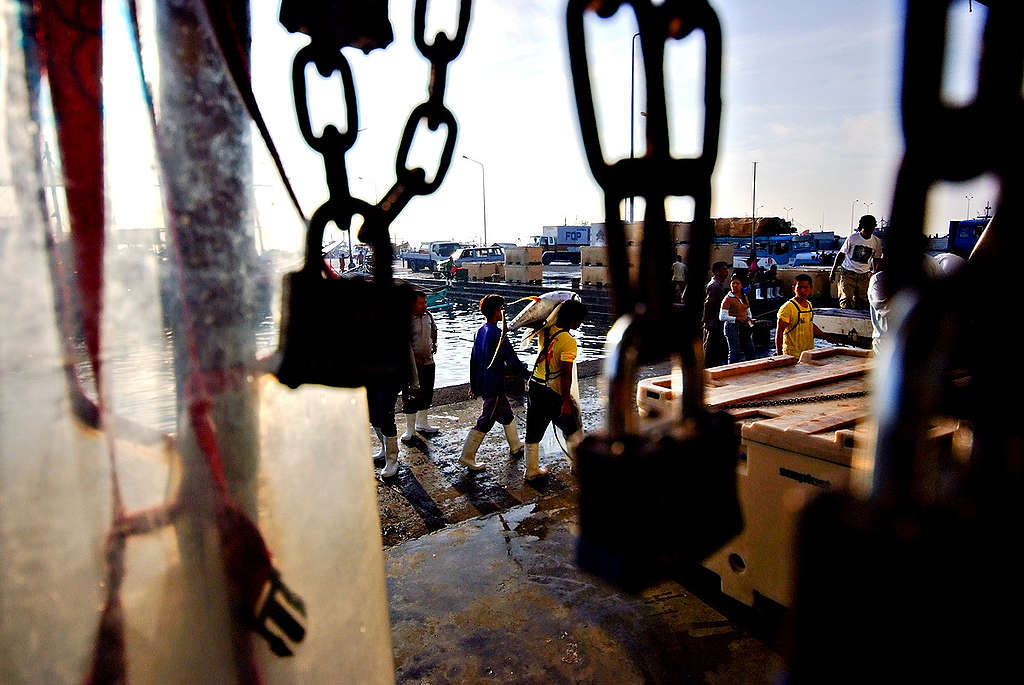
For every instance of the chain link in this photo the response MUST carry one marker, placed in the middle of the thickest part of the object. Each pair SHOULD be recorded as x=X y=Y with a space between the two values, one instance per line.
x=341 y=206
x=794 y=400
x=647 y=305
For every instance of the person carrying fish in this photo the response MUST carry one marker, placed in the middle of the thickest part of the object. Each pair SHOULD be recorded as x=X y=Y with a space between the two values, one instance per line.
x=550 y=393
x=492 y=357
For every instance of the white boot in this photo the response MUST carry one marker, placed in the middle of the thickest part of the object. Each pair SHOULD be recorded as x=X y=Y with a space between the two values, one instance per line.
x=469 y=449
x=423 y=426
x=410 y=433
x=533 y=469
x=515 y=445
x=571 y=443
x=391 y=458
x=379 y=454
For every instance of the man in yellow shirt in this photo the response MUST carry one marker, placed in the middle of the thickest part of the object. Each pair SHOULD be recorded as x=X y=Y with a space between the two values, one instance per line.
x=550 y=392
x=796 y=330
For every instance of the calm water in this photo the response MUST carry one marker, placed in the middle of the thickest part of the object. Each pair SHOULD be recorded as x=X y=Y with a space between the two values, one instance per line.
x=142 y=370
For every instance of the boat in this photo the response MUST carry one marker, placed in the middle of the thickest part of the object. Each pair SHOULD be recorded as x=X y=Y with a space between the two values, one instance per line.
x=437 y=298
x=853 y=325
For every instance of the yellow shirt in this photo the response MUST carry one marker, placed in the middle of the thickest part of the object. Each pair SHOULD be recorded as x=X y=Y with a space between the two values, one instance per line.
x=798 y=327
x=548 y=371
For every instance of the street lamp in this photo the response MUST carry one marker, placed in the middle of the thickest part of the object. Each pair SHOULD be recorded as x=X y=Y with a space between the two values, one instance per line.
x=376 y=196
x=788 y=211
x=753 y=215
x=968 y=198
x=867 y=208
x=852 y=205
x=483 y=191
x=632 y=106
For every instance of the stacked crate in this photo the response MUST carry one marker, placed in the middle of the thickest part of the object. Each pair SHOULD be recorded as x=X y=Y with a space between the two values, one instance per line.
x=523 y=264
x=594 y=259
x=485 y=271
x=720 y=252
x=594 y=266
x=821 y=288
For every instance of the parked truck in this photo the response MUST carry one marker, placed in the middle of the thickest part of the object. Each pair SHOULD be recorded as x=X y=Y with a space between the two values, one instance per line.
x=562 y=243
x=429 y=255
x=964 y=234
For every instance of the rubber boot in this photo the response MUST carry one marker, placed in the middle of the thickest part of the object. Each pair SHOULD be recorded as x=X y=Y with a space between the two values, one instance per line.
x=515 y=445
x=469 y=449
x=391 y=457
x=571 y=442
x=533 y=468
x=379 y=454
x=410 y=433
x=423 y=426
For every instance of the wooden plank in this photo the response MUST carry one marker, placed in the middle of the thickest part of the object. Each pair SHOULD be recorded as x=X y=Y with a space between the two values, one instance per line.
x=749 y=367
x=830 y=448
x=832 y=421
x=778 y=387
x=827 y=352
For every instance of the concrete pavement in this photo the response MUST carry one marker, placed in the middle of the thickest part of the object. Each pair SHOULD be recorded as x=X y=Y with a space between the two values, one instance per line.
x=483 y=586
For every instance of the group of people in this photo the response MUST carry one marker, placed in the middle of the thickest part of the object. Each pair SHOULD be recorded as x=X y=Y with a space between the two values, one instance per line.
x=550 y=396
x=727 y=323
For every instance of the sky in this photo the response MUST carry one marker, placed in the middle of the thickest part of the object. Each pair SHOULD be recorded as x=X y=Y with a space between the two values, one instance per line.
x=810 y=93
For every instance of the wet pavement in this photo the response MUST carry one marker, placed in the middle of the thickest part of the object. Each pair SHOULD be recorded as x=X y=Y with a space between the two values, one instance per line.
x=432 y=490
x=483 y=585
x=499 y=598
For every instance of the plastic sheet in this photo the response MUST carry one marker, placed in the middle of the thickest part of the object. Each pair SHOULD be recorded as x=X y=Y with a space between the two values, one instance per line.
x=306 y=481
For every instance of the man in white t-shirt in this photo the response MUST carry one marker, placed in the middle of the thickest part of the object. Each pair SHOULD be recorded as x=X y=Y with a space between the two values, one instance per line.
x=855 y=263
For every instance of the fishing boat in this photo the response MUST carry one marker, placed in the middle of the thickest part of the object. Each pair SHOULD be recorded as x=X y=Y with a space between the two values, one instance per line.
x=437 y=298
x=853 y=325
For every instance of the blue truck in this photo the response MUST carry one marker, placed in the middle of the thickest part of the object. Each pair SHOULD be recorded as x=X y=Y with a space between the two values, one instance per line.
x=964 y=234
x=429 y=255
x=562 y=243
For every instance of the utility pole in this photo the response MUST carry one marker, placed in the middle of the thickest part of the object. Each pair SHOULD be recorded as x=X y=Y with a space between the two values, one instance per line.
x=483 y=192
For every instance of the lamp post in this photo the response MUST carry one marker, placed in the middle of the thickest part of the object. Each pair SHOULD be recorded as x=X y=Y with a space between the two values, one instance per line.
x=788 y=211
x=483 y=191
x=968 y=198
x=632 y=106
x=753 y=216
x=867 y=207
x=852 y=205
x=376 y=196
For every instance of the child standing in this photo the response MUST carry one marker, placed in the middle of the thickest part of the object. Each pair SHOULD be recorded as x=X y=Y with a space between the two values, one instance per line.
x=735 y=314
x=796 y=330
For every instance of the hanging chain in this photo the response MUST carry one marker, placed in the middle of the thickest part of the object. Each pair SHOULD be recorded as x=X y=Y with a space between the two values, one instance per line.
x=341 y=206
x=645 y=307
x=809 y=399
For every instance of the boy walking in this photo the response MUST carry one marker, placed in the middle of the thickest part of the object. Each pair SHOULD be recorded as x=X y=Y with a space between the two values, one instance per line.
x=491 y=359
x=796 y=331
x=550 y=392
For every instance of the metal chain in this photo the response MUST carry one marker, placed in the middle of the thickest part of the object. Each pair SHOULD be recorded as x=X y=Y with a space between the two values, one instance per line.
x=645 y=307
x=794 y=400
x=325 y=54
x=952 y=142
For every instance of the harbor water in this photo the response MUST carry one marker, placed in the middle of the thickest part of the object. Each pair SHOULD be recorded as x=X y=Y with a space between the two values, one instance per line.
x=142 y=368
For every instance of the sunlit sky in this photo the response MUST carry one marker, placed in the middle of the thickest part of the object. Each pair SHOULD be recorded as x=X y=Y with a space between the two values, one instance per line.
x=810 y=92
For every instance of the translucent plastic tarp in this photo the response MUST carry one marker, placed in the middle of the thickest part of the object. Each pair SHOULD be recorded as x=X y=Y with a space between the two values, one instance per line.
x=306 y=479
